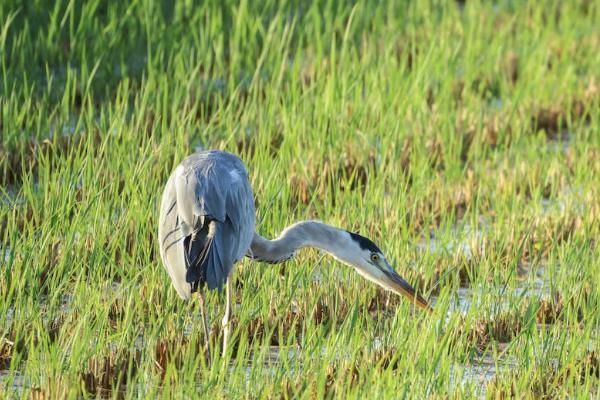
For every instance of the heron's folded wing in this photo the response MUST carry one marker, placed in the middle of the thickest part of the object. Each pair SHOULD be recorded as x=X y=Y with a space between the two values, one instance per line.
x=221 y=221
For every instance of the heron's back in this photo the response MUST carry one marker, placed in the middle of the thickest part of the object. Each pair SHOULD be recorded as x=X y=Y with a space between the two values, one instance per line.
x=206 y=220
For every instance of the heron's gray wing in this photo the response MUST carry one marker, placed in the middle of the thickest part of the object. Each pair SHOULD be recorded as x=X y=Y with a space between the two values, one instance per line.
x=220 y=227
x=209 y=259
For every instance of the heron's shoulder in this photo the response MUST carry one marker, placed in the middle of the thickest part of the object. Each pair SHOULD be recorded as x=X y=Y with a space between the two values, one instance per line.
x=214 y=161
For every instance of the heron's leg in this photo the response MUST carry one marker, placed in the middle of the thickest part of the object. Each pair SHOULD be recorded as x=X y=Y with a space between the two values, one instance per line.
x=227 y=316
x=204 y=323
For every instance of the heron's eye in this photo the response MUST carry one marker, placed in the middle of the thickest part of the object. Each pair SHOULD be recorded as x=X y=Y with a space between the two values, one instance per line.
x=374 y=257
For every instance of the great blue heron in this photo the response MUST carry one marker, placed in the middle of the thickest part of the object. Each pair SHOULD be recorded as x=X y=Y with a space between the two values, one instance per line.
x=207 y=225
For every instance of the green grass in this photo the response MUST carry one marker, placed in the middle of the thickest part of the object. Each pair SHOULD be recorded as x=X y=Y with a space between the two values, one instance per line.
x=475 y=125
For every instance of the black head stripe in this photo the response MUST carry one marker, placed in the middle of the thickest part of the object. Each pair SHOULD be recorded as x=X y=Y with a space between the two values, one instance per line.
x=365 y=243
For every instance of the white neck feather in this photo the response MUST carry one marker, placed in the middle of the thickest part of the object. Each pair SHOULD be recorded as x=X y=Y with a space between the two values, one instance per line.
x=302 y=234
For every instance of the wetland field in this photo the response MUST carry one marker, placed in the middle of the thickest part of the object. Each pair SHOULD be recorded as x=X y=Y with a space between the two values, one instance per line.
x=461 y=136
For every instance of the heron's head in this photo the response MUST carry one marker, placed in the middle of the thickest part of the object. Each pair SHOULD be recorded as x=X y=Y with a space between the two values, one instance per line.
x=370 y=262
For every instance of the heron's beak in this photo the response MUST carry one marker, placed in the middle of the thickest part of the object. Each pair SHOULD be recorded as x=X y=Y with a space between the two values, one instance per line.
x=400 y=286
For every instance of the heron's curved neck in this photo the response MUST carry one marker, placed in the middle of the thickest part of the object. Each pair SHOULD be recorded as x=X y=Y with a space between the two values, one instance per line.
x=299 y=235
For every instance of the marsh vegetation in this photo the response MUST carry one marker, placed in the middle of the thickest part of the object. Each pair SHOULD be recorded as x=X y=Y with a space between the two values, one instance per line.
x=463 y=137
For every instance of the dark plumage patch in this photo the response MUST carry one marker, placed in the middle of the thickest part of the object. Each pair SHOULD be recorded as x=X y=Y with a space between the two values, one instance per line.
x=196 y=248
x=272 y=261
x=364 y=243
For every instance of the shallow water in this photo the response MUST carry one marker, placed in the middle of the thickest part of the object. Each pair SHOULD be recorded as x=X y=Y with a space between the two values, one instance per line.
x=476 y=374
x=532 y=282
x=13 y=380
x=562 y=141
x=7 y=255
x=537 y=287
x=9 y=196
x=462 y=236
